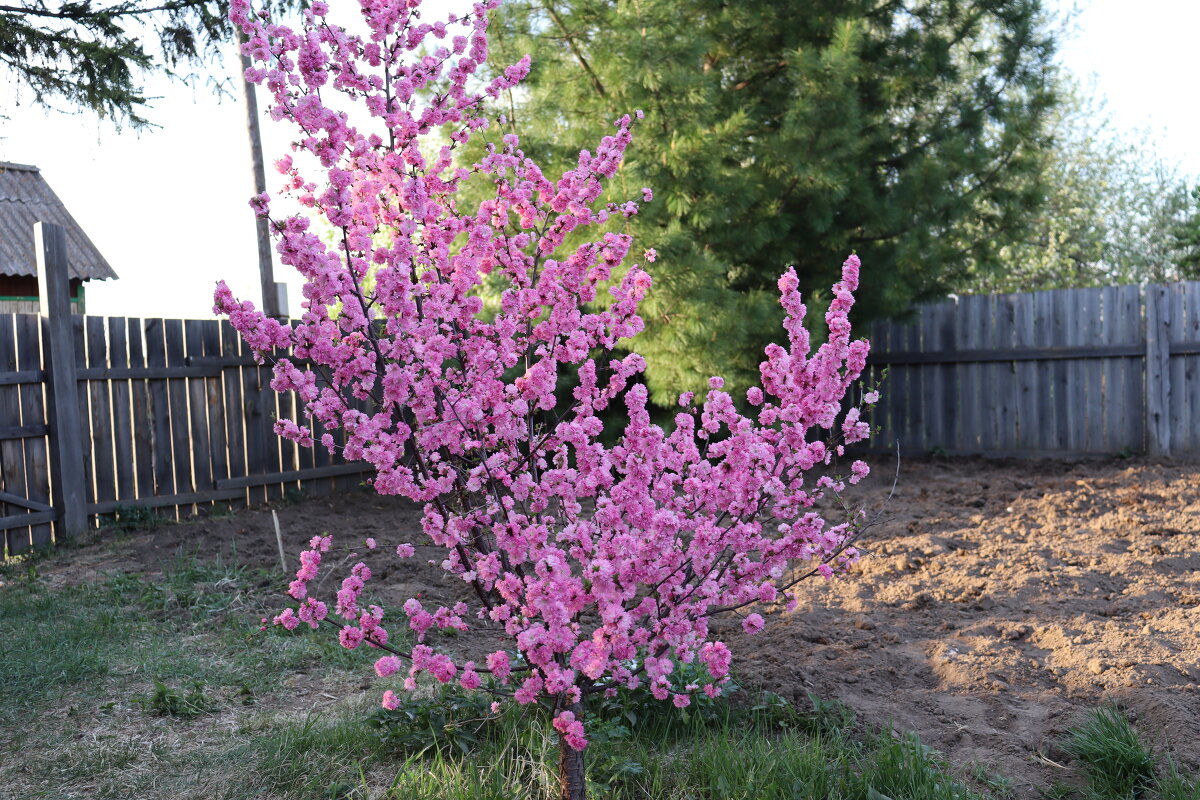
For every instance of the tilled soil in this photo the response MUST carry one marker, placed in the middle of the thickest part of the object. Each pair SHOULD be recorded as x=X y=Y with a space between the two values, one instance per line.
x=1001 y=600
x=998 y=603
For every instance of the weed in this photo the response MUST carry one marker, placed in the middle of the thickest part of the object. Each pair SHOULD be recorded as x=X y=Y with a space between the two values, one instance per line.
x=1116 y=763
x=450 y=720
x=308 y=757
x=1057 y=790
x=1174 y=786
x=127 y=518
x=828 y=717
x=1001 y=786
x=167 y=701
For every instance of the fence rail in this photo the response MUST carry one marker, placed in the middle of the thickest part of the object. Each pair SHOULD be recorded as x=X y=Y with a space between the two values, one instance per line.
x=100 y=414
x=1064 y=372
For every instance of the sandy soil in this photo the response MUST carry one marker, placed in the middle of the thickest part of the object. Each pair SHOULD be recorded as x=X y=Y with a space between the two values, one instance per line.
x=1003 y=599
x=1000 y=601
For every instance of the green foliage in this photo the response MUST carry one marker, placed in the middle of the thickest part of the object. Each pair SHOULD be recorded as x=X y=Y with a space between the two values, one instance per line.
x=54 y=639
x=1002 y=787
x=127 y=518
x=1185 y=232
x=1115 y=213
x=167 y=701
x=829 y=717
x=1176 y=786
x=450 y=720
x=1117 y=764
x=750 y=744
x=92 y=55
x=785 y=133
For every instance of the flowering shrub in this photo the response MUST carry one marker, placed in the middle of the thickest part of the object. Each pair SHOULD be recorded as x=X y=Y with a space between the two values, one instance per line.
x=602 y=565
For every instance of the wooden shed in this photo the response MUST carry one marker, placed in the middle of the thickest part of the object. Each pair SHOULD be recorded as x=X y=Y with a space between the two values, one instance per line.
x=26 y=198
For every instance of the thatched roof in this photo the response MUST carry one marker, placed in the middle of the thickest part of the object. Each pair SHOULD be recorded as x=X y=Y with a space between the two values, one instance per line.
x=26 y=198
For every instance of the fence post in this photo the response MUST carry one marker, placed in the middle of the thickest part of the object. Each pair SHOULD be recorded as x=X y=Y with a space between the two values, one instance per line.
x=1158 y=374
x=58 y=354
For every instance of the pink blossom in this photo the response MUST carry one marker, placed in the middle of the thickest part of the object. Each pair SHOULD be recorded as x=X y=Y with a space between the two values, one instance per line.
x=499 y=665
x=470 y=678
x=388 y=665
x=584 y=550
x=571 y=729
x=350 y=637
x=288 y=619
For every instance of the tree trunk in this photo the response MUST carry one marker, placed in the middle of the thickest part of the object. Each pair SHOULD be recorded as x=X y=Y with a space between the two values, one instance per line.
x=270 y=297
x=570 y=772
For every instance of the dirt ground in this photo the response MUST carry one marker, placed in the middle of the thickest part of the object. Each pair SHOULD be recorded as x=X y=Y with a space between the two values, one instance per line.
x=999 y=602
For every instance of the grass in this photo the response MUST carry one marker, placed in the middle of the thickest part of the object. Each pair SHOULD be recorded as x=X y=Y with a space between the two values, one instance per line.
x=167 y=688
x=1116 y=762
x=1117 y=765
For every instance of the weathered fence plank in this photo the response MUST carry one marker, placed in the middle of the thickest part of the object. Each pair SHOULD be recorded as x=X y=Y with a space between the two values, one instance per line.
x=104 y=477
x=181 y=438
x=79 y=338
x=1185 y=379
x=210 y=345
x=160 y=410
x=33 y=409
x=1129 y=305
x=1004 y=329
x=933 y=384
x=1158 y=375
x=1029 y=425
x=1063 y=371
x=122 y=420
x=12 y=450
x=198 y=433
x=235 y=422
x=143 y=415
x=256 y=440
x=971 y=403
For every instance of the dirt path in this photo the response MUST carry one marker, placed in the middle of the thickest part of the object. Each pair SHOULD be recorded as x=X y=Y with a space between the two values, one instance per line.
x=1000 y=601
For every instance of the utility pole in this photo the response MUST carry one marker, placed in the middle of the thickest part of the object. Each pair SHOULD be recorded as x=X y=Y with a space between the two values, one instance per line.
x=274 y=295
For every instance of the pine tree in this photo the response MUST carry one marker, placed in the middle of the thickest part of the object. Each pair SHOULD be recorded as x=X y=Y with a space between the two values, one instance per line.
x=790 y=133
x=92 y=55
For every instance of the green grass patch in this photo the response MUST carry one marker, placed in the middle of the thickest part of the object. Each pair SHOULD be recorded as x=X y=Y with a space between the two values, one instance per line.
x=167 y=688
x=1117 y=765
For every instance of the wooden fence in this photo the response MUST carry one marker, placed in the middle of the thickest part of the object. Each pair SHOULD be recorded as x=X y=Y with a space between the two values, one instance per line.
x=101 y=415
x=166 y=414
x=1055 y=373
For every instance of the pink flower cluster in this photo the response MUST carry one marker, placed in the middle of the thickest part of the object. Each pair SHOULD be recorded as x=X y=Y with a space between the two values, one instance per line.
x=601 y=564
x=571 y=729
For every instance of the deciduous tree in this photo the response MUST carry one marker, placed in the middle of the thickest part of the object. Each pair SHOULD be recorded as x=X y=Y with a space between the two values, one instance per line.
x=598 y=565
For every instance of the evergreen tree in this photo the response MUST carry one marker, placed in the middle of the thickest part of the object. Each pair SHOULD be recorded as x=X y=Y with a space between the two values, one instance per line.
x=1186 y=234
x=91 y=55
x=792 y=133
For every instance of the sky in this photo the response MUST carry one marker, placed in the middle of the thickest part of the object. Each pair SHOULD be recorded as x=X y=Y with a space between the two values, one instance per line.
x=168 y=208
